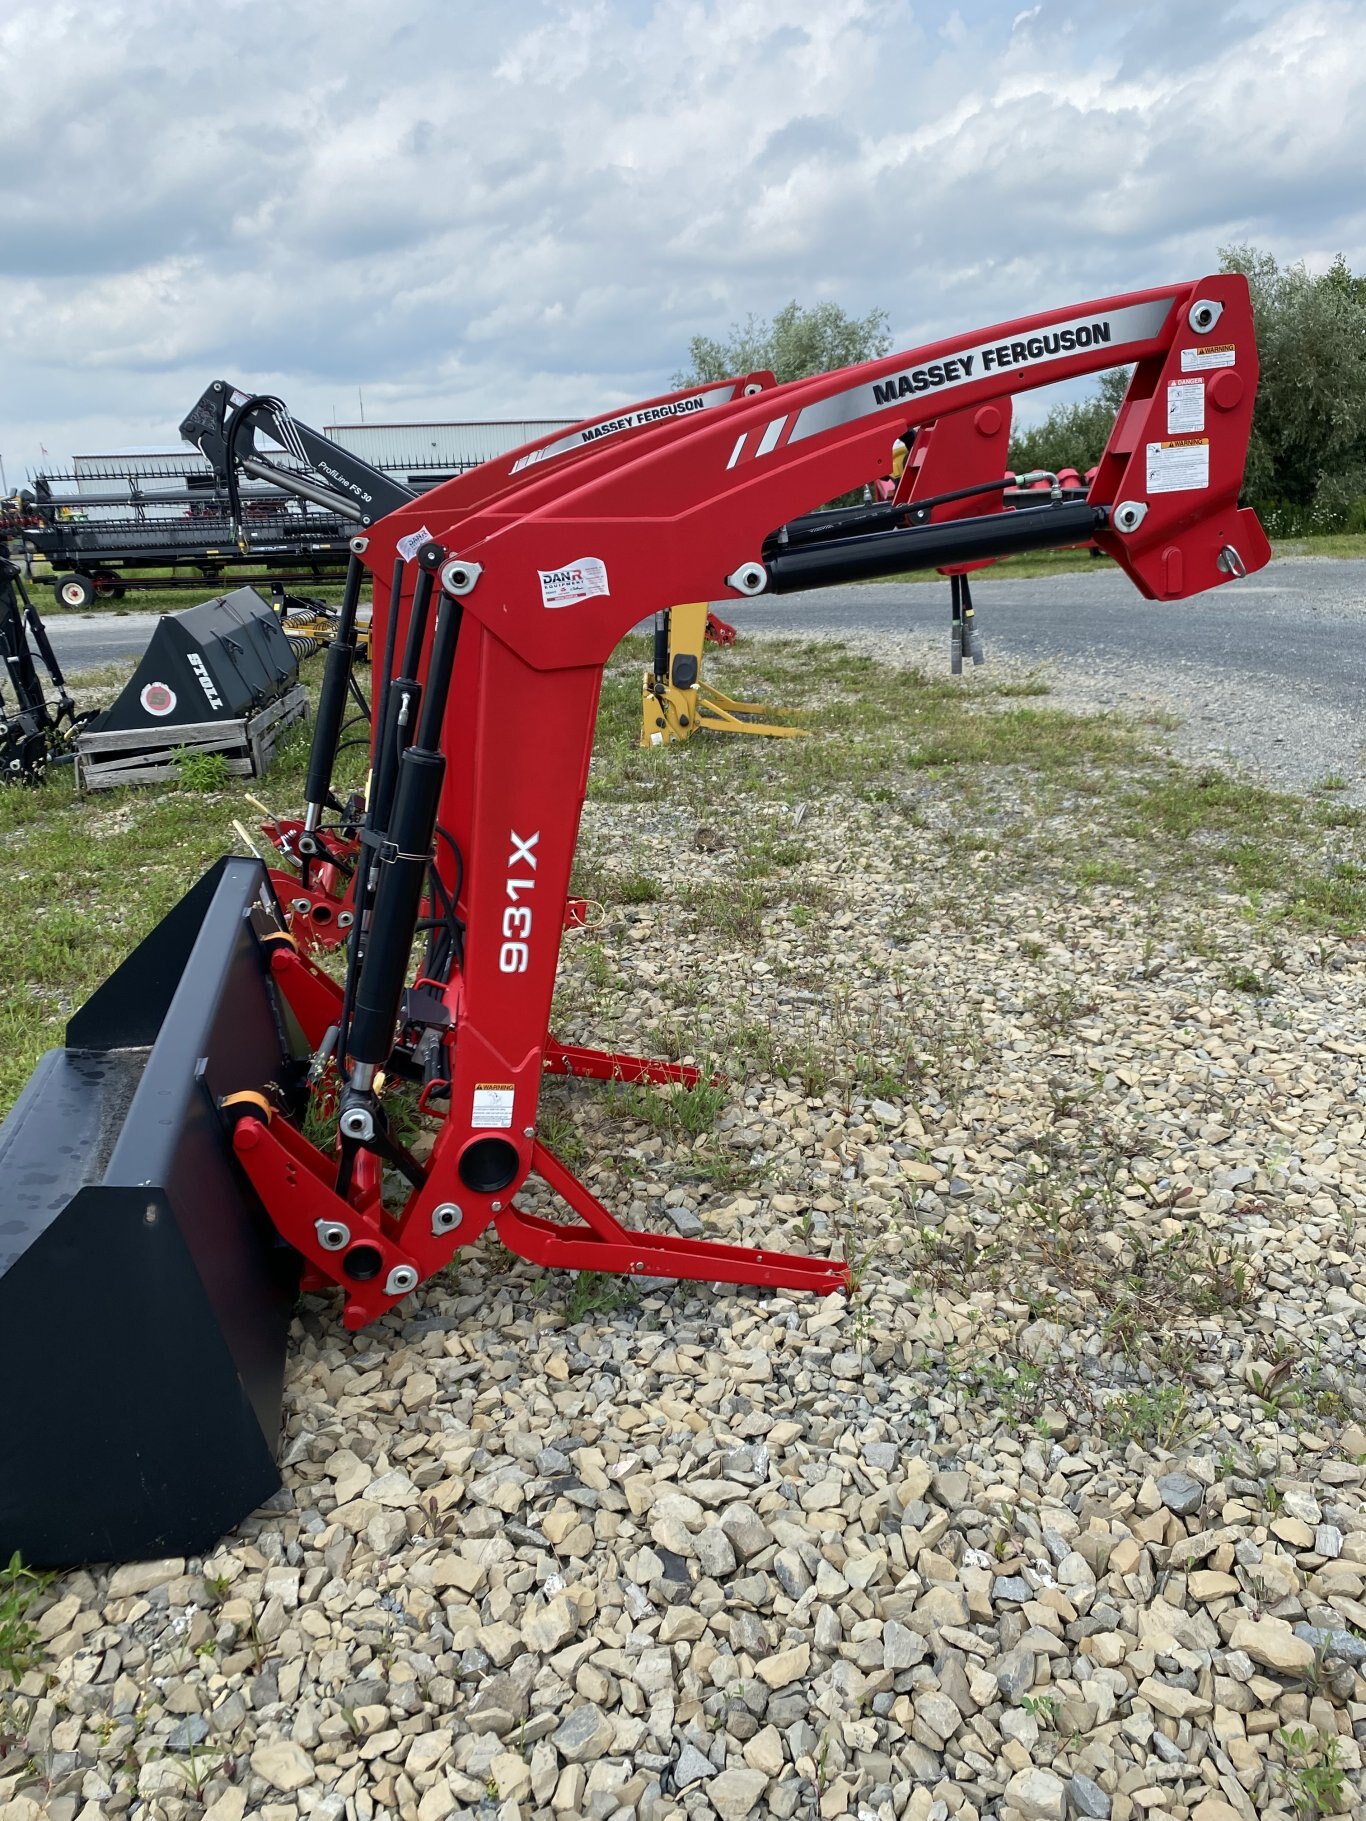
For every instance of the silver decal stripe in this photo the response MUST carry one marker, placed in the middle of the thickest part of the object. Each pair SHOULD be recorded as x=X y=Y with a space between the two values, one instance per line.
x=1135 y=323
x=739 y=445
x=628 y=420
x=769 y=439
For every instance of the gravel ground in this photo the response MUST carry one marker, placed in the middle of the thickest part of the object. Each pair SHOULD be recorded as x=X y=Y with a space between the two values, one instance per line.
x=1059 y=1514
x=1269 y=672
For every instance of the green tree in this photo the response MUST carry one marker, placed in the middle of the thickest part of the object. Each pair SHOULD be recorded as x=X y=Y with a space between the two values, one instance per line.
x=1071 y=436
x=1306 y=459
x=1306 y=468
x=795 y=345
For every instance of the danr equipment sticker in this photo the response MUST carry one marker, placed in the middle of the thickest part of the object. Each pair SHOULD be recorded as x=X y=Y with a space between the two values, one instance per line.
x=409 y=546
x=575 y=581
x=158 y=699
x=1181 y=466
x=492 y=1108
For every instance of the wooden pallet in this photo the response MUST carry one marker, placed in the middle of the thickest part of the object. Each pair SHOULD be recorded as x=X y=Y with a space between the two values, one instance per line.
x=139 y=756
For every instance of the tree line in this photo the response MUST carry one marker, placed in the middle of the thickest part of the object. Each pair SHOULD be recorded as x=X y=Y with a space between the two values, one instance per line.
x=1306 y=458
x=1306 y=463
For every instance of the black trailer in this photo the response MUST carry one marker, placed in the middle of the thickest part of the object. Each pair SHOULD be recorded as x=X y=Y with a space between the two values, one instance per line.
x=92 y=540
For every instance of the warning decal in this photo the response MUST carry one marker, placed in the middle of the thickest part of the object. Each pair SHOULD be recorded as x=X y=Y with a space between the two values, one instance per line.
x=492 y=1108
x=158 y=699
x=1218 y=354
x=1185 y=405
x=1178 y=467
x=576 y=581
x=409 y=546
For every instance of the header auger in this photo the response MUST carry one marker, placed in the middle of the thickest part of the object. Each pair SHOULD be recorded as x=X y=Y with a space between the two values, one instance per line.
x=505 y=592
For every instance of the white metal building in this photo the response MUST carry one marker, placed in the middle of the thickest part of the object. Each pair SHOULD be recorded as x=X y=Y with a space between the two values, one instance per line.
x=419 y=453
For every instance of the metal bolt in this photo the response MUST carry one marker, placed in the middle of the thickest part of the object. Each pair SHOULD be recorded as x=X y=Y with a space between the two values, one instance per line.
x=446 y=1217
x=1204 y=313
x=360 y=545
x=497 y=1206
x=749 y=578
x=459 y=578
x=1128 y=515
x=400 y=1280
x=301 y=905
x=344 y=919
x=357 y=1123
x=333 y=1235
x=528 y=1131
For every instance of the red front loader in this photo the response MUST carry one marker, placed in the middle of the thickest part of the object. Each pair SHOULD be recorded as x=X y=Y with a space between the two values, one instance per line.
x=158 y=1166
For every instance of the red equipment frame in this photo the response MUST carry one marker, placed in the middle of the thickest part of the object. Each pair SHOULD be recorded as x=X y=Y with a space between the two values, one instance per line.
x=568 y=545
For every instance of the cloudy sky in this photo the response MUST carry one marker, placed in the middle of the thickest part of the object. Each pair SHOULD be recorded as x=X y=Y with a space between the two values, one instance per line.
x=471 y=210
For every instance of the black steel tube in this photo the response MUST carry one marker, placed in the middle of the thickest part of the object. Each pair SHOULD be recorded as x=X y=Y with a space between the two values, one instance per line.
x=290 y=482
x=393 y=922
x=391 y=629
x=661 y=664
x=930 y=546
x=417 y=623
x=449 y=614
x=341 y=653
x=402 y=868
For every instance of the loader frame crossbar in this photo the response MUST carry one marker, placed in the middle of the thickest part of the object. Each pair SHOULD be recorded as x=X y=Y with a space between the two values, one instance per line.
x=505 y=591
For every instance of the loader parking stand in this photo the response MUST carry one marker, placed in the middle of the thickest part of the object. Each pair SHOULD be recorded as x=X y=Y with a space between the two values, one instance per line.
x=216 y=1134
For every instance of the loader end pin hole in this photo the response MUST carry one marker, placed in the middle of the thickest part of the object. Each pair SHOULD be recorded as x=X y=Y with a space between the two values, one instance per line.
x=362 y=1263
x=321 y=914
x=489 y=1164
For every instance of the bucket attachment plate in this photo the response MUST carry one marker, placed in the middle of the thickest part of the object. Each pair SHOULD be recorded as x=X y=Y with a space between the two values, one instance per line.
x=145 y=1297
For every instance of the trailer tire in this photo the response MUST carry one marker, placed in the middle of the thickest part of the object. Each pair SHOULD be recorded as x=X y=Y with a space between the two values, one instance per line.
x=74 y=591
x=107 y=585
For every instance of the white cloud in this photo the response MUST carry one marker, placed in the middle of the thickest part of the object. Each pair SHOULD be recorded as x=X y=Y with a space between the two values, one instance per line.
x=478 y=212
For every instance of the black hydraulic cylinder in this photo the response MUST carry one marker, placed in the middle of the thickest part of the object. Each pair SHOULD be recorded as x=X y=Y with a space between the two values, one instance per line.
x=661 y=664
x=449 y=614
x=857 y=559
x=393 y=922
x=404 y=856
x=341 y=654
x=417 y=623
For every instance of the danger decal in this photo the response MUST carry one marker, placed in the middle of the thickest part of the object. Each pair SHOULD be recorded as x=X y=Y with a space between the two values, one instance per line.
x=158 y=699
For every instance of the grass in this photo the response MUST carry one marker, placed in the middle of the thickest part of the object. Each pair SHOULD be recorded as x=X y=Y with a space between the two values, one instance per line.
x=19 y=1588
x=1314 y=1778
x=1021 y=787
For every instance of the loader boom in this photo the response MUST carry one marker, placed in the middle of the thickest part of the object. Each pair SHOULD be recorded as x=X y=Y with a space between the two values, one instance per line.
x=551 y=560
x=499 y=597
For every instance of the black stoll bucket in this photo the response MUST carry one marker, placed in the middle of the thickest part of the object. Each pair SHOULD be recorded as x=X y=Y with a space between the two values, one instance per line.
x=144 y=1295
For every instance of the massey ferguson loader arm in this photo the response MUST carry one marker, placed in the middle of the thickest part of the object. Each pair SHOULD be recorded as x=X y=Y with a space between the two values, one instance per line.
x=318 y=898
x=508 y=609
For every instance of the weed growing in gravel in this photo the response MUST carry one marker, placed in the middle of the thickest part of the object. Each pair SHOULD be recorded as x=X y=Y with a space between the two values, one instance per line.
x=595 y=1293
x=1154 y=1417
x=1314 y=1779
x=677 y=1110
x=19 y=1588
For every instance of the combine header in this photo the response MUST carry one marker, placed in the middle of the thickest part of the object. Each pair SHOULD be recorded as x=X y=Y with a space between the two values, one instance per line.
x=159 y=1164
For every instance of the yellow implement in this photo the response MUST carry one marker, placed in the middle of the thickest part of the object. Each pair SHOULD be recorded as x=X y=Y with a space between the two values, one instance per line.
x=675 y=702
